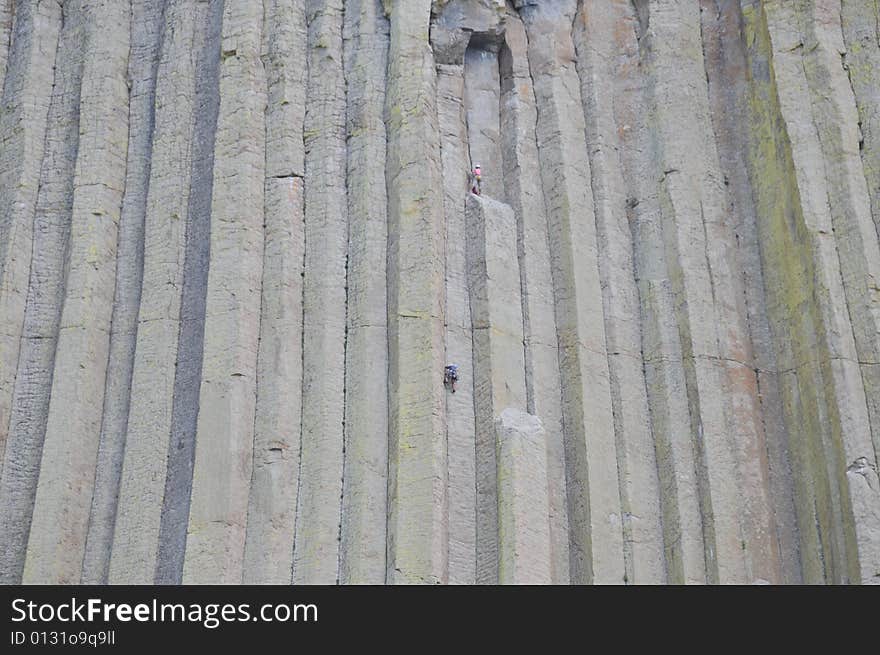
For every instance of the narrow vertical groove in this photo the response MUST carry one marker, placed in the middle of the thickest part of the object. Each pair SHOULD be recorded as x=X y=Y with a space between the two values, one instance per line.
x=42 y=317
x=523 y=192
x=596 y=538
x=316 y=550
x=67 y=478
x=27 y=94
x=636 y=460
x=193 y=303
x=481 y=97
x=148 y=444
x=418 y=478
x=365 y=486
x=224 y=441
x=460 y=405
x=268 y=556
x=146 y=36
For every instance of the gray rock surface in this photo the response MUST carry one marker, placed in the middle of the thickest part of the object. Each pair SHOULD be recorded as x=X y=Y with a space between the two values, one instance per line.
x=523 y=506
x=499 y=364
x=274 y=487
x=40 y=330
x=365 y=475
x=237 y=249
x=460 y=427
x=70 y=446
x=224 y=448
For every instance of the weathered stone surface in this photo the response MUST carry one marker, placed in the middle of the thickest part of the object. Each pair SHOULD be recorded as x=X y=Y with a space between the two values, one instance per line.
x=7 y=8
x=522 y=186
x=418 y=543
x=482 y=91
x=680 y=498
x=237 y=248
x=460 y=429
x=45 y=293
x=594 y=511
x=268 y=555
x=193 y=315
x=725 y=61
x=142 y=70
x=455 y=23
x=27 y=93
x=702 y=268
x=523 y=506
x=316 y=550
x=224 y=455
x=860 y=24
x=499 y=364
x=272 y=501
x=148 y=443
x=833 y=207
x=365 y=479
x=67 y=468
x=636 y=461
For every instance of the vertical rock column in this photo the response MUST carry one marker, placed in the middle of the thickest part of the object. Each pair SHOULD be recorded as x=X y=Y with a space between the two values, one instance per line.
x=149 y=446
x=701 y=265
x=499 y=366
x=523 y=506
x=860 y=22
x=225 y=434
x=45 y=294
x=316 y=549
x=522 y=191
x=838 y=124
x=26 y=97
x=727 y=76
x=268 y=557
x=417 y=486
x=634 y=437
x=674 y=442
x=191 y=339
x=67 y=470
x=365 y=482
x=146 y=42
x=7 y=16
x=844 y=254
x=594 y=512
x=459 y=345
x=482 y=90
x=790 y=281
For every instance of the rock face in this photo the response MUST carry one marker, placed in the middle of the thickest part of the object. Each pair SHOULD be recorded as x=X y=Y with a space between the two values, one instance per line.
x=237 y=249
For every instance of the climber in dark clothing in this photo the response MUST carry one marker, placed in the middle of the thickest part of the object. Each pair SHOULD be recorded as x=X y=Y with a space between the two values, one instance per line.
x=450 y=376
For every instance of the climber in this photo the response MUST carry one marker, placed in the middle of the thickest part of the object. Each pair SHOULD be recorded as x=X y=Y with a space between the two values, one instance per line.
x=450 y=376
x=475 y=177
